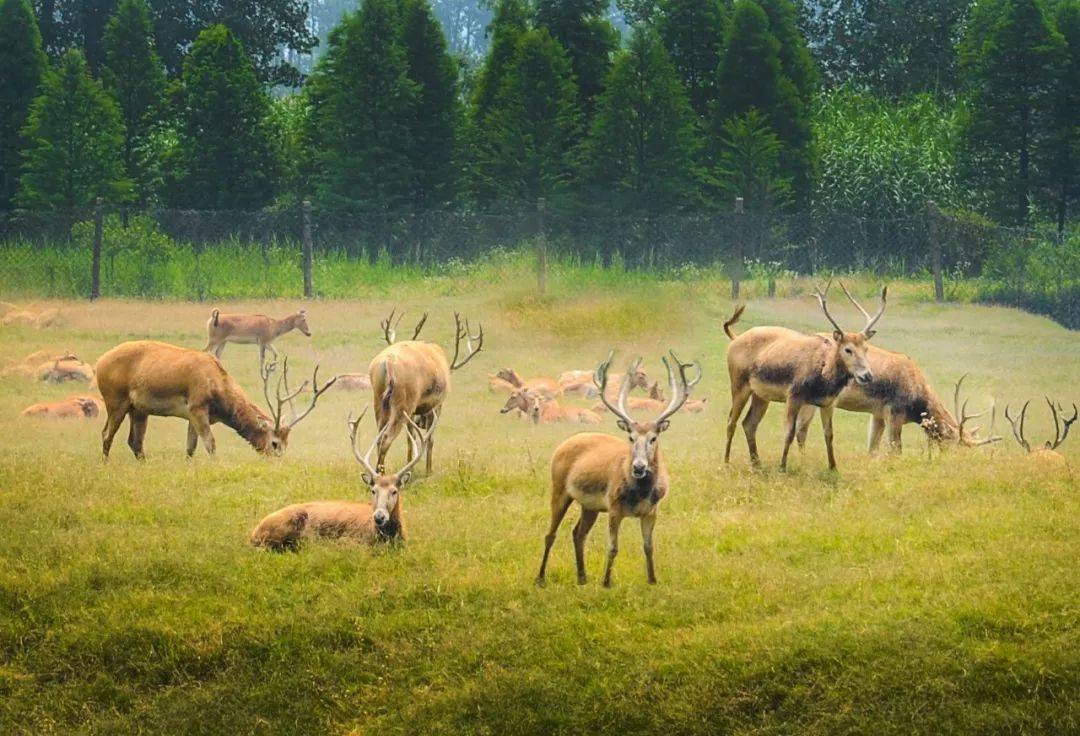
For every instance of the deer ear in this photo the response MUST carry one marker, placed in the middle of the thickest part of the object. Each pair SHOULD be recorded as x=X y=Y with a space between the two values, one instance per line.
x=621 y=424
x=403 y=479
x=367 y=478
x=870 y=333
x=838 y=336
x=663 y=426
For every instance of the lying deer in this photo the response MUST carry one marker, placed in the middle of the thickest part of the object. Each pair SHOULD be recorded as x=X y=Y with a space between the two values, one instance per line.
x=144 y=378
x=352 y=382
x=66 y=368
x=693 y=406
x=605 y=474
x=547 y=411
x=1048 y=450
x=543 y=386
x=410 y=380
x=768 y=364
x=366 y=523
x=251 y=329
x=652 y=403
x=73 y=407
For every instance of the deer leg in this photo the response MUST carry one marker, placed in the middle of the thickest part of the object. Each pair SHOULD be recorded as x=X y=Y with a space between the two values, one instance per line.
x=896 y=428
x=805 y=417
x=791 y=419
x=268 y=346
x=826 y=427
x=395 y=422
x=874 y=432
x=200 y=420
x=136 y=433
x=192 y=439
x=758 y=407
x=739 y=397
x=614 y=521
x=429 y=419
x=647 y=525
x=581 y=532
x=112 y=424
x=560 y=503
x=219 y=349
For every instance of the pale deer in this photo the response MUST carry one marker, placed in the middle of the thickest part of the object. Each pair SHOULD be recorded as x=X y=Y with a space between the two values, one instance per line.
x=251 y=329
x=547 y=411
x=775 y=364
x=144 y=378
x=603 y=473
x=352 y=382
x=381 y=520
x=73 y=407
x=65 y=368
x=1048 y=450
x=411 y=379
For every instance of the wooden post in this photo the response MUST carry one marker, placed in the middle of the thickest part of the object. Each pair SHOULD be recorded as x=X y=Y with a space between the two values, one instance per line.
x=933 y=215
x=737 y=254
x=309 y=290
x=541 y=246
x=95 y=264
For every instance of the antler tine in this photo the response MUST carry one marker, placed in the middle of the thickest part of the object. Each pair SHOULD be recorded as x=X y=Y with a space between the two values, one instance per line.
x=680 y=391
x=281 y=399
x=869 y=329
x=365 y=459
x=853 y=301
x=316 y=392
x=1067 y=423
x=821 y=301
x=419 y=442
x=600 y=378
x=419 y=326
x=1019 y=433
x=991 y=437
x=956 y=398
x=389 y=326
x=265 y=371
x=464 y=333
x=1059 y=435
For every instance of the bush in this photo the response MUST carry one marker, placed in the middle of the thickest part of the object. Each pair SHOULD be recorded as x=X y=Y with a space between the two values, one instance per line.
x=1038 y=271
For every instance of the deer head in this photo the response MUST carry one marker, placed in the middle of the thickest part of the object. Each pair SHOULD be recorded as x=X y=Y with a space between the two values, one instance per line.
x=851 y=346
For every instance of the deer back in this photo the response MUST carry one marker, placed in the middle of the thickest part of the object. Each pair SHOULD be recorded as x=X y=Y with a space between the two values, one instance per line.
x=420 y=371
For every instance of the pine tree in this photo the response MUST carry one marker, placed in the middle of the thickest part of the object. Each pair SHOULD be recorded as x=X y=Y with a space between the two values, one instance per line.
x=76 y=136
x=510 y=21
x=22 y=64
x=533 y=128
x=135 y=77
x=643 y=141
x=796 y=63
x=693 y=33
x=224 y=156
x=749 y=162
x=434 y=127
x=582 y=28
x=1010 y=71
x=363 y=104
x=1062 y=151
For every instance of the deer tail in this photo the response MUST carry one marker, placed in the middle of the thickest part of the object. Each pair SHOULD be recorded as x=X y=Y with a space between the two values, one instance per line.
x=734 y=318
x=214 y=317
x=388 y=391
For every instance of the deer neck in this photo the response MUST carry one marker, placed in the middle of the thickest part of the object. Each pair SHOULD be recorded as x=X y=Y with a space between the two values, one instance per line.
x=393 y=529
x=939 y=423
x=279 y=327
x=234 y=410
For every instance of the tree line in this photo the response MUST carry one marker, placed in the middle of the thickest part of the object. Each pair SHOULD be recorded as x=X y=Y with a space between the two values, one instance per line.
x=700 y=101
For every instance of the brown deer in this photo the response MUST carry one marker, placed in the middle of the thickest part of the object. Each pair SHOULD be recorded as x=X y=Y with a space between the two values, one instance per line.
x=251 y=329
x=1048 y=450
x=411 y=379
x=352 y=382
x=692 y=406
x=605 y=474
x=366 y=523
x=547 y=387
x=768 y=364
x=144 y=378
x=73 y=407
x=547 y=411
x=634 y=377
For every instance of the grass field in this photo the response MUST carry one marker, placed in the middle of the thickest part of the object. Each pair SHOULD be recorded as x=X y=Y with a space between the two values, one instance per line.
x=901 y=595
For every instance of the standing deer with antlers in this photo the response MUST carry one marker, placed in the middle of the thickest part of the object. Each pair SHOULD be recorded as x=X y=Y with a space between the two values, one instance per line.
x=144 y=378
x=775 y=364
x=1048 y=450
x=411 y=379
x=605 y=474
x=378 y=521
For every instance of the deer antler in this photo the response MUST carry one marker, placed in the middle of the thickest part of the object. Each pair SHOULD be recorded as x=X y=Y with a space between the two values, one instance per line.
x=870 y=321
x=419 y=442
x=680 y=391
x=962 y=417
x=600 y=378
x=821 y=301
x=389 y=326
x=1059 y=436
x=365 y=459
x=463 y=332
x=1018 y=432
x=316 y=391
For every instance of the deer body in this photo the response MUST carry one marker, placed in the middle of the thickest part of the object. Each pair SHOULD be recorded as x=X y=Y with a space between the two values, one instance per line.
x=74 y=407
x=543 y=386
x=251 y=329
x=283 y=529
x=547 y=411
x=67 y=368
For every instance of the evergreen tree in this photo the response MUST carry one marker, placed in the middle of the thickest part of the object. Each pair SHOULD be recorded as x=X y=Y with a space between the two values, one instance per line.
x=22 y=64
x=749 y=162
x=1010 y=67
x=796 y=63
x=437 y=111
x=363 y=107
x=533 y=128
x=224 y=158
x=510 y=21
x=582 y=28
x=693 y=33
x=643 y=142
x=134 y=75
x=76 y=135
x=1062 y=152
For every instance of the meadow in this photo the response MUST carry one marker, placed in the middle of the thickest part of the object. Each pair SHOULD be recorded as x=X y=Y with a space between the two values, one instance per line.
x=904 y=594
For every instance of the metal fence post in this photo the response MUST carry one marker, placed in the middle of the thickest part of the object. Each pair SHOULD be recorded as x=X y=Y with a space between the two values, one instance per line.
x=95 y=264
x=309 y=290
x=541 y=246
x=932 y=218
x=737 y=255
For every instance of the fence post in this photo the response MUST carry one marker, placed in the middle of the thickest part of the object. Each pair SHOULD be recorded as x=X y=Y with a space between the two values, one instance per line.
x=737 y=255
x=541 y=246
x=95 y=264
x=932 y=217
x=308 y=288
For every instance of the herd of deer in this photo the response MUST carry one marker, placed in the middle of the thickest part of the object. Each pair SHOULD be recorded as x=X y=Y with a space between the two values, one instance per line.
x=410 y=381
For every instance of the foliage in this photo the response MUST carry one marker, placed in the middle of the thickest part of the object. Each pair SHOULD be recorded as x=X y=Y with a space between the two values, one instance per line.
x=1061 y=153
x=288 y=123
x=22 y=64
x=582 y=28
x=886 y=160
x=1039 y=272
x=225 y=160
x=748 y=164
x=510 y=21
x=133 y=74
x=75 y=136
x=693 y=33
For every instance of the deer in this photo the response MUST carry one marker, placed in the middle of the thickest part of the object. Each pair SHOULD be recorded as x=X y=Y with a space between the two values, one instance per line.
x=379 y=521
x=775 y=364
x=145 y=378
x=65 y=368
x=604 y=473
x=353 y=382
x=544 y=386
x=410 y=379
x=547 y=411
x=73 y=407
x=1048 y=450
x=634 y=376
x=692 y=406
x=251 y=329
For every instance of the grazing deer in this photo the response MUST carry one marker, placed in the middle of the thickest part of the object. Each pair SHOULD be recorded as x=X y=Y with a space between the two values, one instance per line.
x=769 y=364
x=547 y=411
x=411 y=379
x=1048 y=450
x=144 y=378
x=366 y=523
x=605 y=474
x=73 y=407
x=251 y=329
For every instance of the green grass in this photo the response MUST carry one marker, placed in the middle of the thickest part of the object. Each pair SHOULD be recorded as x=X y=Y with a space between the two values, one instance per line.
x=901 y=595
